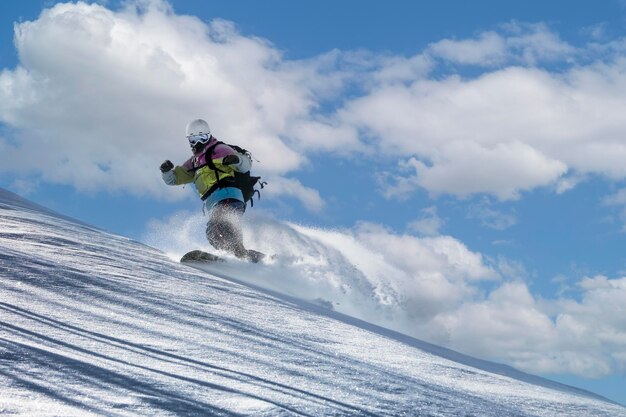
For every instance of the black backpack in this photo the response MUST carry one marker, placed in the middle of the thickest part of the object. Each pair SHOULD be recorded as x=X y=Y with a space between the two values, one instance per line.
x=242 y=180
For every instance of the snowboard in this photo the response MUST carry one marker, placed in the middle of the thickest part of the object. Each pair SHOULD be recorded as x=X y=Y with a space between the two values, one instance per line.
x=205 y=257
x=200 y=256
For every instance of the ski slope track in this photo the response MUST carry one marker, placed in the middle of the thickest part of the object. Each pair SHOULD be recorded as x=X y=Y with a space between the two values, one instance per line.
x=96 y=324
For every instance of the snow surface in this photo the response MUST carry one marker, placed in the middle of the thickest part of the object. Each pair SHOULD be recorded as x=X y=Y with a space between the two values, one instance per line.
x=96 y=324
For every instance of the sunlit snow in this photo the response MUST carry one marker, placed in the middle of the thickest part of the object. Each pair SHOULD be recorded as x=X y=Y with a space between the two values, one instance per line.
x=96 y=324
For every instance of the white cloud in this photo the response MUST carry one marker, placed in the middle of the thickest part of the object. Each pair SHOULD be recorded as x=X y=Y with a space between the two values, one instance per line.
x=104 y=95
x=534 y=43
x=488 y=49
x=322 y=136
x=428 y=224
x=618 y=199
x=505 y=169
x=520 y=43
x=597 y=32
x=281 y=187
x=567 y=183
x=490 y=217
x=399 y=69
x=506 y=324
x=543 y=336
x=502 y=133
x=465 y=168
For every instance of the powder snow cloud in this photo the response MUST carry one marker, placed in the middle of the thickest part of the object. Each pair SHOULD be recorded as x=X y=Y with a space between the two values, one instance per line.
x=434 y=288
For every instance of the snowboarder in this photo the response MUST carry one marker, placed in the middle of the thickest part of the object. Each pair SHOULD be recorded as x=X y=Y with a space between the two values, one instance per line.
x=212 y=170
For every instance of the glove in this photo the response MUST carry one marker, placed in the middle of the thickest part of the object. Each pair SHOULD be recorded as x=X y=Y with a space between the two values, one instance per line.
x=166 y=166
x=230 y=160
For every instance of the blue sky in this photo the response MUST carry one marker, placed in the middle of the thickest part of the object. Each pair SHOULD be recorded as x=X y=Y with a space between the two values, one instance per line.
x=498 y=125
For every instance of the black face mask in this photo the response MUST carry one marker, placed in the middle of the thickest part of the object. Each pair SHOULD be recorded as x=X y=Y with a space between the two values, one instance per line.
x=198 y=147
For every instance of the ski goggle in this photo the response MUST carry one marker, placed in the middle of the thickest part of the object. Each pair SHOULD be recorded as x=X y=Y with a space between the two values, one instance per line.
x=198 y=138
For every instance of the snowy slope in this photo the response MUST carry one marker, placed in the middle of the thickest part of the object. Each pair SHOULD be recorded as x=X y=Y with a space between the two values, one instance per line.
x=96 y=324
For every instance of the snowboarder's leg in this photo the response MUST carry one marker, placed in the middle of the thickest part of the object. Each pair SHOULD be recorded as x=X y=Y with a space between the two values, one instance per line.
x=224 y=227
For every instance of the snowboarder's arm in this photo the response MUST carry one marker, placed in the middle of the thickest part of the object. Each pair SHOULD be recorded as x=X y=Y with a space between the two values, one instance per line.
x=242 y=162
x=182 y=176
x=175 y=175
x=245 y=163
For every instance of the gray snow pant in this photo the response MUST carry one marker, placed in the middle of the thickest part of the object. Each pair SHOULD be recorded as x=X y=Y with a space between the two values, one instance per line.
x=224 y=227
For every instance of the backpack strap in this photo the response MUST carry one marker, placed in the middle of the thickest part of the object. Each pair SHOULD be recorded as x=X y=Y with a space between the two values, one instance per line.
x=220 y=183
x=209 y=158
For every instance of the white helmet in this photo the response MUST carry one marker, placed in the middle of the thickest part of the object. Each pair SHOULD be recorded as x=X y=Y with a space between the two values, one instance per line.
x=197 y=127
x=198 y=133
